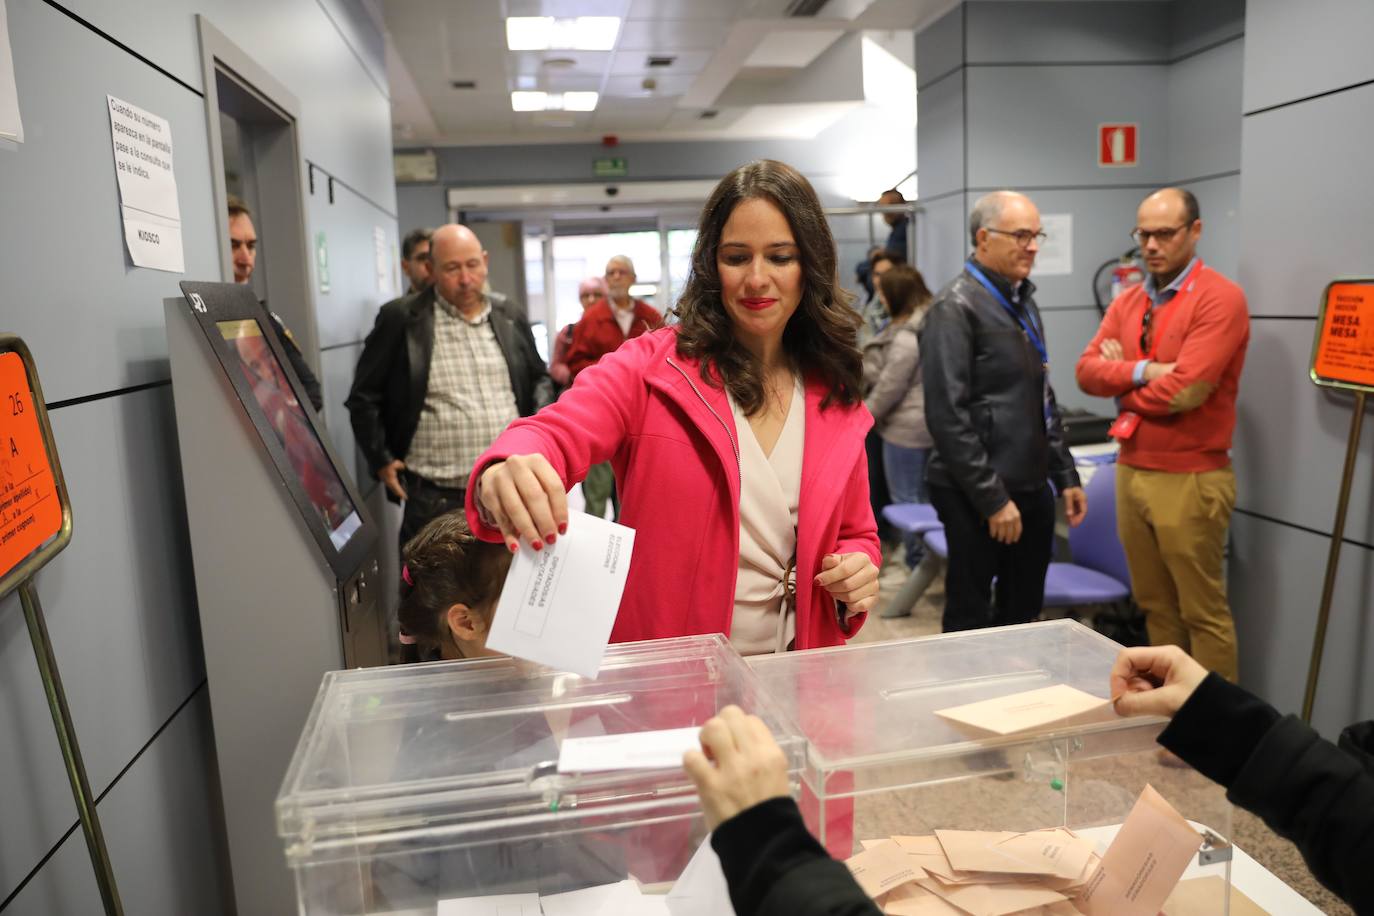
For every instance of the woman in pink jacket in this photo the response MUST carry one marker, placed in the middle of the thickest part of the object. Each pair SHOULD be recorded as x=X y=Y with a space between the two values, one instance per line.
x=736 y=436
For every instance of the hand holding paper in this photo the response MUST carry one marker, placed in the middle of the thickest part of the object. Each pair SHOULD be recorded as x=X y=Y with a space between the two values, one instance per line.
x=559 y=603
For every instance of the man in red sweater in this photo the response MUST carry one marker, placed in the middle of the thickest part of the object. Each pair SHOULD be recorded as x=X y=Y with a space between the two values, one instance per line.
x=1170 y=351
x=603 y=328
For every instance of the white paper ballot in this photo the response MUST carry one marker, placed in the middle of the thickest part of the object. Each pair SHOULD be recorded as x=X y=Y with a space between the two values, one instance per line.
x=558 y=604
x=619 y=899
x=147 y=186
x=11 y=127
x=655 y=750
x=495 y=905
x=701 y=889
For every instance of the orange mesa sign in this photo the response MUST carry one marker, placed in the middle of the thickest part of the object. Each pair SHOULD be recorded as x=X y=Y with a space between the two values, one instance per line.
x=30 y=507
x=1343 y=352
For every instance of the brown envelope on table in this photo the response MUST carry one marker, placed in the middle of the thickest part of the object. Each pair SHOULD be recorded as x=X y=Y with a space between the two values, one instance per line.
x=910 y=900
x=1143 y=864
x=1200 y=896
x=883 y=867
x=1055 y=853
x=926 y=853
x=993 y=899
x=1033 y=709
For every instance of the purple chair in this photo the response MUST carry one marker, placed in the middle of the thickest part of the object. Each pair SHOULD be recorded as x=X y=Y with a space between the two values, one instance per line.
x=912 y=518
x=917 y=519
x=1098 y=573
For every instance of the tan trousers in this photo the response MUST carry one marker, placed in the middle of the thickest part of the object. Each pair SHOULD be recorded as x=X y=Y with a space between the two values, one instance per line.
x=1173 y=528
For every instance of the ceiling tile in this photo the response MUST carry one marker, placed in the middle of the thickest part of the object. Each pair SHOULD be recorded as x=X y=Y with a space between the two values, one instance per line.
x=685 y=9
x=633 y=63
x=672 y=34
x=668 y=86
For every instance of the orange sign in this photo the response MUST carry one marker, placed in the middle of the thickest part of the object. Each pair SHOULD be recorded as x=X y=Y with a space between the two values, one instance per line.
x=1343 y=353
x=30 y=512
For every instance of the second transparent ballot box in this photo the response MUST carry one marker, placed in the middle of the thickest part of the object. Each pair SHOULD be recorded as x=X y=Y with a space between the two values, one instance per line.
x=881 y=763
x=417 y=784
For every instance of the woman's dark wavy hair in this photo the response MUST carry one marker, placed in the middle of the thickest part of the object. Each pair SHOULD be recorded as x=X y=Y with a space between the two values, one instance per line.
x=820 y=340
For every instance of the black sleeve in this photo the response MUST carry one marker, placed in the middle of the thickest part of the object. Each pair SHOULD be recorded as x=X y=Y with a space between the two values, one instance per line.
x=774 y=867
x=1304 y=787
x=542 y=388
x=946 y=340
x=1063 y=472
x=303 y=371
x=367 y=396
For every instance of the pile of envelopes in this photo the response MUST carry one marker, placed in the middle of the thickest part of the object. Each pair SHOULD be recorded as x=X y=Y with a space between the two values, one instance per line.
x=976 y=873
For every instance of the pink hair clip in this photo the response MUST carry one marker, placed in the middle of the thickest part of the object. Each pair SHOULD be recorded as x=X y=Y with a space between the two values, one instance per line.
x=405 y=574
x=407 y=639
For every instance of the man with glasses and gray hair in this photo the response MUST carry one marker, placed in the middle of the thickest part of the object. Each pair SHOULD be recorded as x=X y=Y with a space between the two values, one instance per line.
x=999 y=441
x=1170 y=350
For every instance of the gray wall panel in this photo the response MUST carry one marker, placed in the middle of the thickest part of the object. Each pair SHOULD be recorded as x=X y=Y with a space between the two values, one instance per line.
x=1218 y=200
x=1322 y=44
x=72 y=293
x=129 y=558
x=420 y=205
x=1067 y=32
x=346 y=312
x=345 y=114
x=940 y=138
x=336 y=377
x=1197 y=24
x=1039 y=126
x=1275 y=606
x=941 y=240
x=1325 y=226
x=65 y=886
x=940 y=47
x=1204 y=112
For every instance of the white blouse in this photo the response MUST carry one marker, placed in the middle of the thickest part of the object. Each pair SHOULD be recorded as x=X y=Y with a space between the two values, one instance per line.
x=770 y=486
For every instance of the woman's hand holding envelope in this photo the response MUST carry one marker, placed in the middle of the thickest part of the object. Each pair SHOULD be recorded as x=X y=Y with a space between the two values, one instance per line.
x=525 y=497
x=1154 y=680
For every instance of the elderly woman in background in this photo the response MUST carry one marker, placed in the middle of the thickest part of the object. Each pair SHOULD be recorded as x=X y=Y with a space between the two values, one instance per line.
x=736 y=434
x=589 y=292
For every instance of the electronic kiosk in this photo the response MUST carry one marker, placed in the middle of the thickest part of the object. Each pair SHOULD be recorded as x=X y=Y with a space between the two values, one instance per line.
x=285 y=558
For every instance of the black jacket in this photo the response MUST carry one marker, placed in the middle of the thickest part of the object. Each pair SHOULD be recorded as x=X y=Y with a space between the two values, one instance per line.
x=1308 y=790
x=985 y=387
x=774 y=867
x=393 y=373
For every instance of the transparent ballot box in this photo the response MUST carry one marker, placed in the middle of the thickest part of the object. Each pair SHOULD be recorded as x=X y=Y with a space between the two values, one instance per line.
x=881 y=763
x=417 y=784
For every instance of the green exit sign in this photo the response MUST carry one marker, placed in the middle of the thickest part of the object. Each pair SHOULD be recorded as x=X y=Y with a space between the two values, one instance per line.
x=614 y=167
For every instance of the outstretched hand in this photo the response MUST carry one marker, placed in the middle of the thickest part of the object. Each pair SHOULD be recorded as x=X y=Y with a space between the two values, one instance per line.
x=739 y=766
x=525 y=496
x=1154 y=680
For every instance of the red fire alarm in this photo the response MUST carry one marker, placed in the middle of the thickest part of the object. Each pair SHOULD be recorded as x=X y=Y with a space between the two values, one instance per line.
x=1116 y=145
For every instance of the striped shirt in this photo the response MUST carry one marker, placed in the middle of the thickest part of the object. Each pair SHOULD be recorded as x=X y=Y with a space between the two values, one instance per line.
x=469 y=399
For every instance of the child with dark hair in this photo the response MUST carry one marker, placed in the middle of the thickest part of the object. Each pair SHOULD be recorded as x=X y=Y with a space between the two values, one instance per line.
x=450 y=583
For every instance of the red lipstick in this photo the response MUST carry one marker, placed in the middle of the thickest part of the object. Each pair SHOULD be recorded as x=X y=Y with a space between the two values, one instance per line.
x=756 y=305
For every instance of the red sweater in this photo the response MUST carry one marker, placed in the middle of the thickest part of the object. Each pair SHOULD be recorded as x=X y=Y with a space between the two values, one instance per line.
x=1187 y=416
x=598 y=333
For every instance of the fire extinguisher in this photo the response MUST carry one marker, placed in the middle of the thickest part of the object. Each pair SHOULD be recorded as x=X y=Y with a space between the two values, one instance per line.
x=1125 y=274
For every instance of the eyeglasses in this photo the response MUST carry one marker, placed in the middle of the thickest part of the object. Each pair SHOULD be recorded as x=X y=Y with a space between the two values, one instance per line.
x=1023 y=237
x=1143 y=236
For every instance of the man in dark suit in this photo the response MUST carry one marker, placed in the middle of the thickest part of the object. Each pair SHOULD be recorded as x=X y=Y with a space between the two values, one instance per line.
x=440 y=376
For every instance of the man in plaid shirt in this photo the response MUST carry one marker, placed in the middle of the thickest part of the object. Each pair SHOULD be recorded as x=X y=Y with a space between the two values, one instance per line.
x=440 y=376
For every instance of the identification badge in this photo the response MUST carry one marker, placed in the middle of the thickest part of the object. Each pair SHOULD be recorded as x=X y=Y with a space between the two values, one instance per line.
x=1125 y=425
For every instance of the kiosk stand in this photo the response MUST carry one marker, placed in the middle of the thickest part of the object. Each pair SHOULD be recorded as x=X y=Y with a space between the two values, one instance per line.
x=35 y=526
x=285 y=560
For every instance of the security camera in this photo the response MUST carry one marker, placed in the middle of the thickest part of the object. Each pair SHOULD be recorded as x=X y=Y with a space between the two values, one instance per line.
x=612 y=190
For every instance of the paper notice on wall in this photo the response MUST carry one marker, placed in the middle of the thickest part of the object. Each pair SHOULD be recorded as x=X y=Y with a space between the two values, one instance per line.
x=383 y=260
x=1056 y=251
x=11 y=128
x=147 y=186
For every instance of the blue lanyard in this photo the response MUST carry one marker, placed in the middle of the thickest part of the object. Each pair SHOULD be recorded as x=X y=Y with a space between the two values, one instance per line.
x=1037 y=337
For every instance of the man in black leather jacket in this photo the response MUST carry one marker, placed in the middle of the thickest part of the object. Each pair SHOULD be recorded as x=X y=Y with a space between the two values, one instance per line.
x=998 y=437
x=421 y=430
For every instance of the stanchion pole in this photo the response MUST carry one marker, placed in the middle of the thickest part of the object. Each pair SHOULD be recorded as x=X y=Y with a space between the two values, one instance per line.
x=71 y=751
x=1333 y=557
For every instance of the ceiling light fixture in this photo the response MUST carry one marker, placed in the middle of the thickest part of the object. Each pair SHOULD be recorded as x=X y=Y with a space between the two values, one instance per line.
x=553 y=101
x=544 y=33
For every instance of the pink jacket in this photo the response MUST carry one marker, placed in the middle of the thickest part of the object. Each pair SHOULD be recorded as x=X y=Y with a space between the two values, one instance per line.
x=671 y=439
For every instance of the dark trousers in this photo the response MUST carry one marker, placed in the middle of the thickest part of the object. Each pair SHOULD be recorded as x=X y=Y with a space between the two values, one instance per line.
x=976 y=560
x=878 y=495
x=425 y=501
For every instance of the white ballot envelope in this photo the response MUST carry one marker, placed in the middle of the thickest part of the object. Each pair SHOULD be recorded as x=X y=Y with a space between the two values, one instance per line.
x=558 y=604
x=653 y=750
x=496 y=905
x=701 y=889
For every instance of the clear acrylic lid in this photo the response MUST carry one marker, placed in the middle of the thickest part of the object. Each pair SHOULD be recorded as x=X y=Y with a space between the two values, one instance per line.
x=873 y=705
x=465 y=752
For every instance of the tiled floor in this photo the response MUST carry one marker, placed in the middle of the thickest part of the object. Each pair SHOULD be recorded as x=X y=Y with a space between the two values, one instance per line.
x=1248 y=832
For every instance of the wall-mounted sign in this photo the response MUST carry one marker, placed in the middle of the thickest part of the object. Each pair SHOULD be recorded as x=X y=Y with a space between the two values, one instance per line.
x=147 y=186
x=416 y=166
x=1056 y=252
x=1343 y=351
x=1116 y=145
x=11 y=127
x=610 y=167
x=322 y=261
